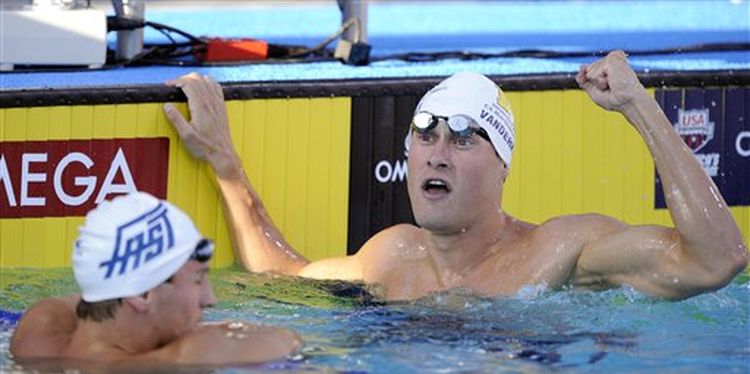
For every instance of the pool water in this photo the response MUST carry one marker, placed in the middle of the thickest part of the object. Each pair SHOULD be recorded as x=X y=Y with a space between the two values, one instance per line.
x=347 y=330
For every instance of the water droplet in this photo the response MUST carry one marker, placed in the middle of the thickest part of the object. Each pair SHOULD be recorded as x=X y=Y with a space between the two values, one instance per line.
x=421 y=248
x=646 y=70
x=463 y=230
x=675 y=280
x=400 y=245
x=713 y=103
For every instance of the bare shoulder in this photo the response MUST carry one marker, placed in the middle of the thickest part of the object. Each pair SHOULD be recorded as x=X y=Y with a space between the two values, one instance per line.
x=374 y=254
x=54 y=313
x=45 y=328
x=586 y=227
x=229 y=342
x=568 y=235
x=389 y=238
x=388 y=247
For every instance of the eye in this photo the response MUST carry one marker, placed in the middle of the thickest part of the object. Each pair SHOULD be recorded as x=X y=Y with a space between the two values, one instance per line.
x=463 y=143
x=425 y=137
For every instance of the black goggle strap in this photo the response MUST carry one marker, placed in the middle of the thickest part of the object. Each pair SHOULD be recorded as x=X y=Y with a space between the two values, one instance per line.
x=203 y=250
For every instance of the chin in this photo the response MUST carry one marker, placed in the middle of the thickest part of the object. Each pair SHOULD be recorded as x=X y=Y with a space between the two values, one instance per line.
x=440 y=226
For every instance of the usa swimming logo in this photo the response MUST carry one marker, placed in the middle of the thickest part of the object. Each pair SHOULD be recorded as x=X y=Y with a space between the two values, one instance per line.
x=695 y=128
x=140 y=241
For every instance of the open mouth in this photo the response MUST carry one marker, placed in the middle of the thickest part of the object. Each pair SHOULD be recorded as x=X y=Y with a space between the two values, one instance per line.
x=434 y=185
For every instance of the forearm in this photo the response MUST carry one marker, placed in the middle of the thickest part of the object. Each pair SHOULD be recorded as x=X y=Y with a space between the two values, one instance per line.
x=705 y=226
x=222 y=343
x=258 y=245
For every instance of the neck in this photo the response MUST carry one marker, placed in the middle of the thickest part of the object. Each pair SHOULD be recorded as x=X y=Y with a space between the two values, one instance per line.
x=457 y=254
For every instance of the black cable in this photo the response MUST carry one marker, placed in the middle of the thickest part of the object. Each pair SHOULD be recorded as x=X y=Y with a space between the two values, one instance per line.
x=162 y=53
x=165 y=33
x=160 y=27
x=545 y=54
x=156 y=53
x=321 y=47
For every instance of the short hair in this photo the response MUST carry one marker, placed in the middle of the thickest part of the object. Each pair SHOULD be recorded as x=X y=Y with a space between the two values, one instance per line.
x=103 y=310
x=98 y=311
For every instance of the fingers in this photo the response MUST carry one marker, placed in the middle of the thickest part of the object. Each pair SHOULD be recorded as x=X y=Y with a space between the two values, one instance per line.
x=610 y=82
x=178 y=121
x=216 y=88
x=590 y=80
x=201 y=91
x=619 y=54
x=181 y=81
x=581 y=76
x=592 y=84
x=195 y=85
x=195 y=145
x=597 y=74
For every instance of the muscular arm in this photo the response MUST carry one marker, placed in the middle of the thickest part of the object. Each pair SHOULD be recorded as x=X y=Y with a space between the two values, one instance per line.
x=228 y=343
x=258 y=245
x=705 y=250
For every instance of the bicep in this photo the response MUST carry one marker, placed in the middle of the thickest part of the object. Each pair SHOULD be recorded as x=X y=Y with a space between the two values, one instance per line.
x=650 y=258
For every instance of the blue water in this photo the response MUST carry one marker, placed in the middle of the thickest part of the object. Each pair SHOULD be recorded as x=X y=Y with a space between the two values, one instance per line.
x=614 y=331
x=617 y=331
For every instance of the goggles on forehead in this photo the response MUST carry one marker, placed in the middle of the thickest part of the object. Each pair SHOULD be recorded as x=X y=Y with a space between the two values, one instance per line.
x=460 y=125
x=203 y=251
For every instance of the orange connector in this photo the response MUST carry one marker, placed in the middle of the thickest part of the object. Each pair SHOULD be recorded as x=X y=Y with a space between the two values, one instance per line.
x=218 y=50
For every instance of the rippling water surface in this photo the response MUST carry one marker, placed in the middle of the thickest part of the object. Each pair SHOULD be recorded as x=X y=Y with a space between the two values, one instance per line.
x=535 y=331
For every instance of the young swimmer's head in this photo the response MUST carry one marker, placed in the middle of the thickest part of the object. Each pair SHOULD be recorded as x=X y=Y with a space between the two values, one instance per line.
x=132 y=244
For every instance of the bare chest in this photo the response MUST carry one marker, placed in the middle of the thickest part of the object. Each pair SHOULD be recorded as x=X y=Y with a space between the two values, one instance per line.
x=505 y=272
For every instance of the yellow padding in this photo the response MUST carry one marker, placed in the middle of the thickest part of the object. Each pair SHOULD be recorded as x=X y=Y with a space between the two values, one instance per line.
x=296 y=152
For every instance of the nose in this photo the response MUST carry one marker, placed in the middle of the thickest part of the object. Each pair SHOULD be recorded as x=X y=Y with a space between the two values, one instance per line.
x=208 y=299
x=440 y=156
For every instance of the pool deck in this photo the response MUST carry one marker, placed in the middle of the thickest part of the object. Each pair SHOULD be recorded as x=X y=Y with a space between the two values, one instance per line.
x=462 y=26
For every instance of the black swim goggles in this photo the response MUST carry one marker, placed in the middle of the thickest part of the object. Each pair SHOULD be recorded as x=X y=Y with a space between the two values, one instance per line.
x=460 y=125
x=203 y=250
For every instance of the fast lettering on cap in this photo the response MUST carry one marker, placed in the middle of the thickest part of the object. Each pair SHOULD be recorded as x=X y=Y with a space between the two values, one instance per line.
x=131 y=244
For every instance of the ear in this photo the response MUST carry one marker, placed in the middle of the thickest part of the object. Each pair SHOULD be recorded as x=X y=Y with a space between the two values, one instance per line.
x=138 y=303
x=506 y=171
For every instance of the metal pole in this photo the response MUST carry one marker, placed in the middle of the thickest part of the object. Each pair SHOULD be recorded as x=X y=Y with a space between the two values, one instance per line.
x=356 y=9
x=129 y=42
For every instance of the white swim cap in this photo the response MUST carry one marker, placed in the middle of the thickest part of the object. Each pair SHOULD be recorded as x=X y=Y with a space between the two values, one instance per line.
x=130 y=245
x=476 y=96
